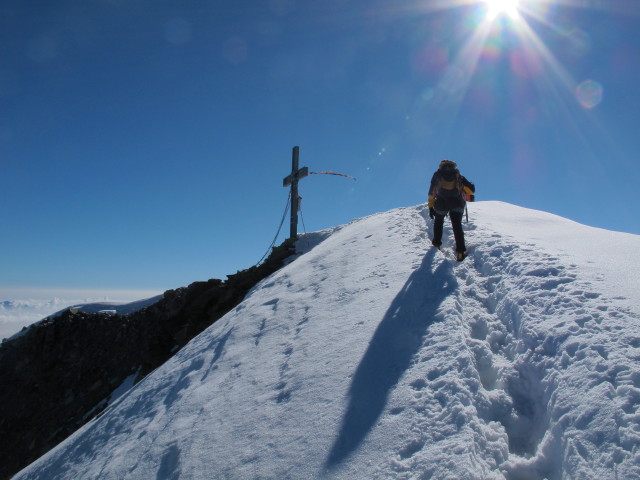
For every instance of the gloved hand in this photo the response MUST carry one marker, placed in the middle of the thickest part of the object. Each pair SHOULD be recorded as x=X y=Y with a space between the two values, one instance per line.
x=432 y=212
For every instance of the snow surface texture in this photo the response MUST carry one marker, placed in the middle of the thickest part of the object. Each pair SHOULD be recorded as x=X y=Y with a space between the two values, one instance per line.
x=374 y=355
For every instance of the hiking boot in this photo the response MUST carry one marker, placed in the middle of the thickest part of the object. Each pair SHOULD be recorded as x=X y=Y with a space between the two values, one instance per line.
x=436 y=244
x=460 y=256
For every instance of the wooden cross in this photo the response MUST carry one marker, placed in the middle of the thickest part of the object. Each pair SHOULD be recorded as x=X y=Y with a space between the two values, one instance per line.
x=296 y=174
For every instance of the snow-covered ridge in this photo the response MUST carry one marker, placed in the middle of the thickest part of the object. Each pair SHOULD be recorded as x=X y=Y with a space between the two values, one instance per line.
x=375 y=356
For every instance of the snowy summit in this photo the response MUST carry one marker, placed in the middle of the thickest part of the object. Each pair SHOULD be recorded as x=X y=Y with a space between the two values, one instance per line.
x=373 y=355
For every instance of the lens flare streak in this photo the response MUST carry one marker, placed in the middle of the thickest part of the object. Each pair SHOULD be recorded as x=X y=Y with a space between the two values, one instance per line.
x=497 y=31
x=531 y=58
x=449 y=94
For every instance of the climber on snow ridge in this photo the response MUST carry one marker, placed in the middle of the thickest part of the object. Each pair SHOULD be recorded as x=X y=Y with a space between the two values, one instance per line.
x=448 y=194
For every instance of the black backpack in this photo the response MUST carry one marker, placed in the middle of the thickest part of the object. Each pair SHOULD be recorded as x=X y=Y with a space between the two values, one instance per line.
x=449 y=181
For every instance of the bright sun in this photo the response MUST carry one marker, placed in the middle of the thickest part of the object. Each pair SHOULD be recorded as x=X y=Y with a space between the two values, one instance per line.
x=502 y=7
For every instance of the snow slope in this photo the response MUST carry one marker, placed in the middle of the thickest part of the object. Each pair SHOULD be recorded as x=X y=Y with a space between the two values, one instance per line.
x=375 y=356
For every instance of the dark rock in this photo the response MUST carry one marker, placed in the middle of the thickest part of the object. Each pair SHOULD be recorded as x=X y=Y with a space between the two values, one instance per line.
x=60 y=372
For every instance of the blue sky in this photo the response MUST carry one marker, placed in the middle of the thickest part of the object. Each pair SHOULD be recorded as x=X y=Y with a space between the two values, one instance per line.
x=143 y=143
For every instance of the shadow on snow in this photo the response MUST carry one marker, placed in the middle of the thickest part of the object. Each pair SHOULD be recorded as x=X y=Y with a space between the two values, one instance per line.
x=397 y=339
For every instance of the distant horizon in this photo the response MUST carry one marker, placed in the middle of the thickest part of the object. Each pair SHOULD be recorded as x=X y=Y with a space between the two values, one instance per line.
x=27 y=293
x=35 y=304
x=44 y=292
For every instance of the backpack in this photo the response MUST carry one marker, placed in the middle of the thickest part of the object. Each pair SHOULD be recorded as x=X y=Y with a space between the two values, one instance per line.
x=449 y=180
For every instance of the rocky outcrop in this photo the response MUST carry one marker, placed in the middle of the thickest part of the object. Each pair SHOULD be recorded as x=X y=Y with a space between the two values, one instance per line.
x=58 y=374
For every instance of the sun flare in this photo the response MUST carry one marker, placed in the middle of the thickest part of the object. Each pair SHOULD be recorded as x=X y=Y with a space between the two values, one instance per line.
x=496 y=8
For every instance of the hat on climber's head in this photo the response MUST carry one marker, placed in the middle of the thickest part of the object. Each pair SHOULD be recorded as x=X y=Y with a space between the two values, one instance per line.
x=448 y=163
